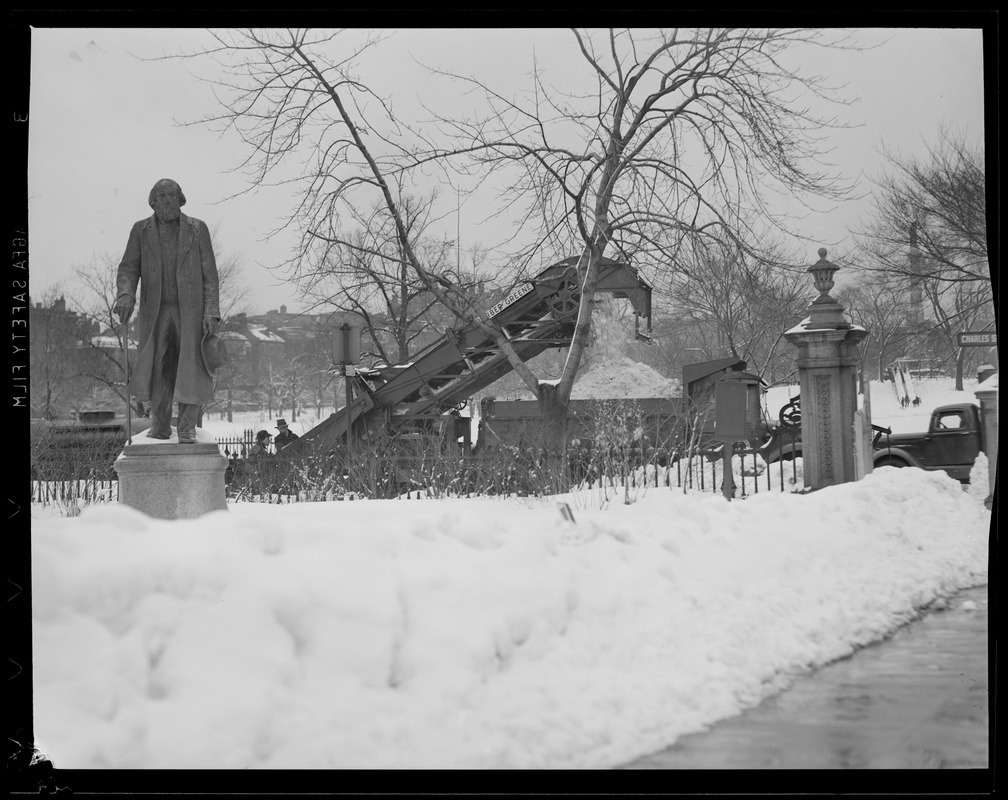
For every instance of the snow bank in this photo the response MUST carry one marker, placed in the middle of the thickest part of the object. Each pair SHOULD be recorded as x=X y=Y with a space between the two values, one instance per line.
x=623 y=378
x=467 y=633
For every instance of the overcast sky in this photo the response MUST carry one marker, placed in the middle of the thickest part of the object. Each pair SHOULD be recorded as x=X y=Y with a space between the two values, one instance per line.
x=104 y=126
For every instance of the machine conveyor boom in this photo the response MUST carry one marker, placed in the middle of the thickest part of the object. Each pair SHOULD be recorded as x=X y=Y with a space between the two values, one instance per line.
x=535 y=315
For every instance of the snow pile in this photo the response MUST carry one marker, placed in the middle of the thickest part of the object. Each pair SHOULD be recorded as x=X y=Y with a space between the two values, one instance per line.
x=623 y=378
x=467 y=633
x=979 y=485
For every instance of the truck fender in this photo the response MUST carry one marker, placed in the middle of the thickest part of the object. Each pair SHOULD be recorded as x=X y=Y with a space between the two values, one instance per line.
x=895 y=453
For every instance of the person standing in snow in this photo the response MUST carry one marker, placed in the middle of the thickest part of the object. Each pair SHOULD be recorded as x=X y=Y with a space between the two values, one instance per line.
x=285 y=437
x=260 y=449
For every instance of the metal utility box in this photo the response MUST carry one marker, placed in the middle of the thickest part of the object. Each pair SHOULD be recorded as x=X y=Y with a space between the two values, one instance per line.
x=701 y=384
x=697 y=378
x=730 y=421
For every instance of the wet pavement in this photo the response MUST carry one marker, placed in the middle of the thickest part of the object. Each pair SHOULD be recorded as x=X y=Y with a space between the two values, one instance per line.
x=918 y=700
x=905 y=716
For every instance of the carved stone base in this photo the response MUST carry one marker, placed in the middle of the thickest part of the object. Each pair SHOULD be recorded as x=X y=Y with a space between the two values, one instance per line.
x=827 y=369
x=168 y=480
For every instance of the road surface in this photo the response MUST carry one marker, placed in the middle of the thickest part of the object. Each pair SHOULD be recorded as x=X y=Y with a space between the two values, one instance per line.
x=918 y=700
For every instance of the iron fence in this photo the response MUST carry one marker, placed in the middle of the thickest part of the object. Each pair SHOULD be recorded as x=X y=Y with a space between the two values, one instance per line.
x=438 y=473
x=237 y=446
x=74 y=492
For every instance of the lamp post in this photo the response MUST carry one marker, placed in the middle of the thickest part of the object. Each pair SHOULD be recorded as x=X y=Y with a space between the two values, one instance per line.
x=346 y=354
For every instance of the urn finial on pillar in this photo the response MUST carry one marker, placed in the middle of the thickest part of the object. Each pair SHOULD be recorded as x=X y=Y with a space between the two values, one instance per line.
x=822 y=272
x=825 y=312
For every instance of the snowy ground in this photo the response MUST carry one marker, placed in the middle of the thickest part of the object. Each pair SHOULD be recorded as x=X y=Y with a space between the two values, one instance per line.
x=482 y=633
x=467 y=633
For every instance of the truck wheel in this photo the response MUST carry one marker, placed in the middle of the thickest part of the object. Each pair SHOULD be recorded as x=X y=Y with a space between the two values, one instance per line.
x=891 y=462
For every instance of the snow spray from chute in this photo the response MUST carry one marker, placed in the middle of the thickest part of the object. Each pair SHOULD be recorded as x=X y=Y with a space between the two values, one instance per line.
x=610 y=371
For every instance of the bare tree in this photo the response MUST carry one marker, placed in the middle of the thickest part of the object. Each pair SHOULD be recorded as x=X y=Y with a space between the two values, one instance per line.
x=234 y=291
x=367 y=274
x=56 y=341
x=935 y=204
x=958 y=307
x=678 y=130
x=929 y=228
x=296 y=379
x=682 y=135
x=269 y=387
x=285 y=86
x=876 y=302
x=679 y=337
x=103 y=362
x=740 y=305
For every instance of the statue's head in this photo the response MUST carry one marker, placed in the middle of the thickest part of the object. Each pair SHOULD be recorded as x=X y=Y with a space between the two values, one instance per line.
x=166 y=199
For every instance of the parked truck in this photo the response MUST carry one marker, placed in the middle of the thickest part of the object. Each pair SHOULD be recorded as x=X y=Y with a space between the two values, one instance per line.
x=952 y=442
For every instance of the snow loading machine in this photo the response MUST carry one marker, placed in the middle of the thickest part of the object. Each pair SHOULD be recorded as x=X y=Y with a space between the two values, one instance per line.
x=424 y=397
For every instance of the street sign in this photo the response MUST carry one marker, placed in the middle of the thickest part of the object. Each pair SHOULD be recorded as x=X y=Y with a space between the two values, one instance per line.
x=978 y=339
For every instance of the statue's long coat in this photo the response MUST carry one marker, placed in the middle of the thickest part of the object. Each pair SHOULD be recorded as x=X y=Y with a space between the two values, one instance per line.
x=198 y=293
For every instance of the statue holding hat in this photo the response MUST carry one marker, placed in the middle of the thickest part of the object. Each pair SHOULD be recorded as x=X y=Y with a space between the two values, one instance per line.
x=169 y=258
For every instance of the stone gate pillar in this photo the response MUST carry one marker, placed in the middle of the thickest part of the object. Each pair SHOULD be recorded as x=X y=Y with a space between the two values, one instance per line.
x=827 y=368
x=987 y=393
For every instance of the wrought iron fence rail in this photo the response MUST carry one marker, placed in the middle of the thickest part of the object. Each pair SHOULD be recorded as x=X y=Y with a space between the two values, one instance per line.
x=442 y=474
x=74 y=492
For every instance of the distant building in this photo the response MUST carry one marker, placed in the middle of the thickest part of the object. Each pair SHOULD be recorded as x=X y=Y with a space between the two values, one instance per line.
x=262 y=349
x=59 y=370
x=41 y=318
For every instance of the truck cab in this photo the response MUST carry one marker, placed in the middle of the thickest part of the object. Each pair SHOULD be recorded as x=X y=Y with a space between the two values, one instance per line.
x=952 y=442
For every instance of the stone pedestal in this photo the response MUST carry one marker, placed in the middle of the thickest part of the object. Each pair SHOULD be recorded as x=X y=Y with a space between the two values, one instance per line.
x=863 y=451
x=827 y=368
x=987 y=394
x=168 y=480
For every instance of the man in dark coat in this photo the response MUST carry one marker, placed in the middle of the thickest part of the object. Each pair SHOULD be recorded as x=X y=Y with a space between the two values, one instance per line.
x=285 y=437
x=170 y=256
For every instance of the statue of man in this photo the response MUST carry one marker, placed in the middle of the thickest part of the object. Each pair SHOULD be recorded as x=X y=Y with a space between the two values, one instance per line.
x=170 y=256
